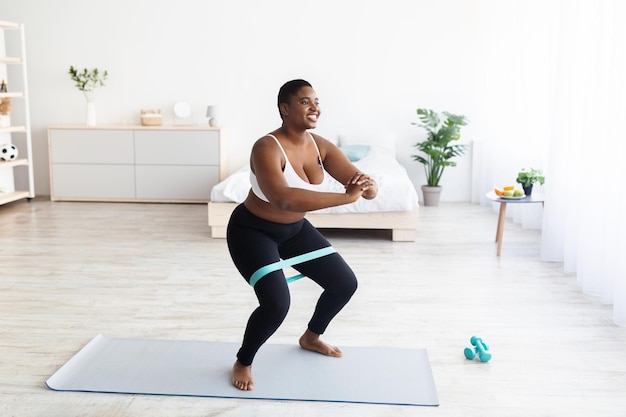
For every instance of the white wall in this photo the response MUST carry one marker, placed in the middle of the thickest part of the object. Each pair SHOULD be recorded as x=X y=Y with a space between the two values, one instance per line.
x=373 y=63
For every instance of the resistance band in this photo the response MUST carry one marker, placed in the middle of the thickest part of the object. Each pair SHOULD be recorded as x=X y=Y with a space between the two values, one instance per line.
x=264 y=270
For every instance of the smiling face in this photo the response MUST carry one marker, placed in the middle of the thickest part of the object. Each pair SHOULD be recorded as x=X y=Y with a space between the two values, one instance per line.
x=302 y=109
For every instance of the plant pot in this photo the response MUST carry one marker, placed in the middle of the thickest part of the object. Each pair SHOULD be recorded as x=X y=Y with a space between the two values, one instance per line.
x=431 y=195
x=528 y=190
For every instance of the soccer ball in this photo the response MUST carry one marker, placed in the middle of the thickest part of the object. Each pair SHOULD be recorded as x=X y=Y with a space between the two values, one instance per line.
x=8 y=152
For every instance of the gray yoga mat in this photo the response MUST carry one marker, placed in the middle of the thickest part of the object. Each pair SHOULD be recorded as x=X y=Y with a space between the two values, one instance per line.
x=281 y=372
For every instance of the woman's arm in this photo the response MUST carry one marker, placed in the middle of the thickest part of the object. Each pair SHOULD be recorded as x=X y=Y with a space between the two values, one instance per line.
x=339 y=166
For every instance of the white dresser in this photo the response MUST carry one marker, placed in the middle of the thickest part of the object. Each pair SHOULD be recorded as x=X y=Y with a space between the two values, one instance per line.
x=135 y=163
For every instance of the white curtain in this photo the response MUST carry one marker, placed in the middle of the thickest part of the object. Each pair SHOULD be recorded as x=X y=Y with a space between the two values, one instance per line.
x=518 y=46
x=561 y=70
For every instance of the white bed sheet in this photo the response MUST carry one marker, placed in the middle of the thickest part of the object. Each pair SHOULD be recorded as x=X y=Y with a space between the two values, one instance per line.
x=395 y=189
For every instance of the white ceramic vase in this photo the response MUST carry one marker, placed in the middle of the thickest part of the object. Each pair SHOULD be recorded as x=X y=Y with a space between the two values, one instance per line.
x=91 y=113
x=5 y=120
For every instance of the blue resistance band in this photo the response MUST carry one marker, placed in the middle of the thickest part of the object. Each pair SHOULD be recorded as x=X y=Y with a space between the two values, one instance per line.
x=264 y=270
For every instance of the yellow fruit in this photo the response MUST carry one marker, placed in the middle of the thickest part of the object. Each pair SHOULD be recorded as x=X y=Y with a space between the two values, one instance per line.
x=508 y=187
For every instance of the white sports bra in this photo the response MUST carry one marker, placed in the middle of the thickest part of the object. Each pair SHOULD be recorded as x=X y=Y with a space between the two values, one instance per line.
x=291 y=176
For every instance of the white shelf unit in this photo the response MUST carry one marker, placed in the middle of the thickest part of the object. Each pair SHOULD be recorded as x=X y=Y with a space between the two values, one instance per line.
x=135 y=163
x=16 y=176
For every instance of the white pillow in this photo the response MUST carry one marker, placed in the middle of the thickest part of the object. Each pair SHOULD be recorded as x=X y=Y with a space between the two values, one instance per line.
x=380 y=142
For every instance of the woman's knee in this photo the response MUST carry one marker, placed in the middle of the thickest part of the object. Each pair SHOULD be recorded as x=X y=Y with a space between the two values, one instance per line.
x=275 y=310
x=344 y=280
x=350 y=285
x=274 y=298
x=342 y=285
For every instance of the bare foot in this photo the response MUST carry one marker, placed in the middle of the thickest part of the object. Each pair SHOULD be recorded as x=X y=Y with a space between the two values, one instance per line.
x=242 y=377
x=311 y=341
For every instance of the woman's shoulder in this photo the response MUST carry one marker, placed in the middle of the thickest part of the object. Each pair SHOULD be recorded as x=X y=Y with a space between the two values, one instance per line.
x=320 y=140
x=266 y=146
x=324 y=145
x=265 y=140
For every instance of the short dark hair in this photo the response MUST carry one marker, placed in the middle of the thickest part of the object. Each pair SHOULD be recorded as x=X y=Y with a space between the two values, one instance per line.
x=289 y=89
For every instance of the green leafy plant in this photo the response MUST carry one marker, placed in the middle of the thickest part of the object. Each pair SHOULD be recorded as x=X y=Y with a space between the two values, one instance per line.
x=528 y=177
x=86 y=80
x=442 y=129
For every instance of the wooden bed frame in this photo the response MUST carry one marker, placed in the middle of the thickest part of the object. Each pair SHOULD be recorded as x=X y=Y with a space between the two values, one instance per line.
x=403 y=224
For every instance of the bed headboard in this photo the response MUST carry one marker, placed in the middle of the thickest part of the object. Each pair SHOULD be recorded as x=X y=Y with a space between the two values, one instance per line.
x=383 y=142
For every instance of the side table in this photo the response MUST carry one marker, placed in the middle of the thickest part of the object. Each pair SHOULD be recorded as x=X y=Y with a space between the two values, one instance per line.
x=501 y=216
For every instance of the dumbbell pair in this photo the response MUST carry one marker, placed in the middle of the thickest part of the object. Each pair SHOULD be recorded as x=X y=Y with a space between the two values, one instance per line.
x=479 y=348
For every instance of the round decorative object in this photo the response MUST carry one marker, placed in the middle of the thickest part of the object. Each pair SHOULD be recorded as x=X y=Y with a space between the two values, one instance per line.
x=182 y=110
x=8 y=152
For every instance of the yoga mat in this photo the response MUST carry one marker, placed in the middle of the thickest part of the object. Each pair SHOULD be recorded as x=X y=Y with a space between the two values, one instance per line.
x=281 y=372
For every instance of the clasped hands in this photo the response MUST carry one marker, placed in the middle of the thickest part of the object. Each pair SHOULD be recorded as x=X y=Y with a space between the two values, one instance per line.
x=362 y=183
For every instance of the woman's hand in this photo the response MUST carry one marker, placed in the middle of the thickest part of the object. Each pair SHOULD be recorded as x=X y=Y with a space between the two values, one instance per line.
x=361 y=184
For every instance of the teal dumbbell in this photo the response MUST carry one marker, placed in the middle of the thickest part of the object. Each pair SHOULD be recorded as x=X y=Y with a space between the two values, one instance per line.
x=479 y=348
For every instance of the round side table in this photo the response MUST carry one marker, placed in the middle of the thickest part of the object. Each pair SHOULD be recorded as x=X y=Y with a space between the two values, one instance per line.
x=501 y=215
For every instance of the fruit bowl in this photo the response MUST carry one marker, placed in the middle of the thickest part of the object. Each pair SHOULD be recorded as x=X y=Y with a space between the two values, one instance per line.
x=512 y=197
x=509 y=192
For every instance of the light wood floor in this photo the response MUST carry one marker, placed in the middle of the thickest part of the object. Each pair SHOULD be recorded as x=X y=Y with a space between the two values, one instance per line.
x=70 y=271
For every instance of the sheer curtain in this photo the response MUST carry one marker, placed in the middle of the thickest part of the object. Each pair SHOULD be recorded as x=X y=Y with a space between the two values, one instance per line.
x=565 y=77
x=587 y=155
x=518 y=41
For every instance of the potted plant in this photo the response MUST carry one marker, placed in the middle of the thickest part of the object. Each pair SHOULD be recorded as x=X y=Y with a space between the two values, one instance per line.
x=88 y=81
x=442 y=130
x=528 y=177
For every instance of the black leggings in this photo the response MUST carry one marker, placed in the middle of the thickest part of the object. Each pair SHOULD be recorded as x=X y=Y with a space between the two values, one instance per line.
x=253 y=243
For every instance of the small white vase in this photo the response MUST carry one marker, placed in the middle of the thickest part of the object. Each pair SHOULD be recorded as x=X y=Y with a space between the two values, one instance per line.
x=5 y=120
x=91 y=113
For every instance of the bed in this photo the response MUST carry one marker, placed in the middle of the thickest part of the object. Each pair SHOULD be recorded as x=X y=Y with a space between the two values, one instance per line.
x=395 y=208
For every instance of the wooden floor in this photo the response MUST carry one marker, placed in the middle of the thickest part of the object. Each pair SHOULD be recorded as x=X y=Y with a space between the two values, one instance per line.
x=70 y=271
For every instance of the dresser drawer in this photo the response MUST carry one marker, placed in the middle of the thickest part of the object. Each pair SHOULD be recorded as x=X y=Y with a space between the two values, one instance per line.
x=92 y=146
x=177 y=148
x=93 y=181
x=176 y=182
